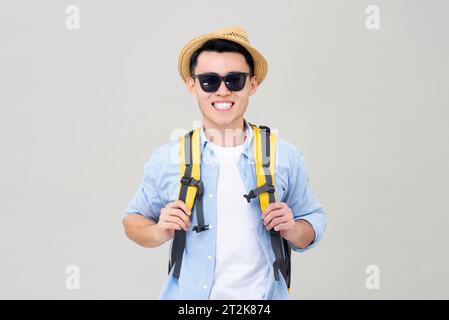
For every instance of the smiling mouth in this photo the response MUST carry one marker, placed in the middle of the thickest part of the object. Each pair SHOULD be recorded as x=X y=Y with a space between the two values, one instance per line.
x=222 y=106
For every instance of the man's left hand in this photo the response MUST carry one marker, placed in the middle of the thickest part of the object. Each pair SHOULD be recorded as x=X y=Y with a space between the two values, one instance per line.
x=279 y=216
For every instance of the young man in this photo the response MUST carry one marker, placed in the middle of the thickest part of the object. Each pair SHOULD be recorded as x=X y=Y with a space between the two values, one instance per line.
x=233 y=257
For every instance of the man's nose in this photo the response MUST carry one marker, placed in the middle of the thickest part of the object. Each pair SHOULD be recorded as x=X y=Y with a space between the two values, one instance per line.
x=223 y=90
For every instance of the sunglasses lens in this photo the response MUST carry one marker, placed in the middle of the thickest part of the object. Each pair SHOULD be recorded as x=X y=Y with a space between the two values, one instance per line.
x=209 y=82
x=235 y=81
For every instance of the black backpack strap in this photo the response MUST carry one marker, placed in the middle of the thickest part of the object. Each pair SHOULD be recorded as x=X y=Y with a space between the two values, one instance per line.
x=187 y=182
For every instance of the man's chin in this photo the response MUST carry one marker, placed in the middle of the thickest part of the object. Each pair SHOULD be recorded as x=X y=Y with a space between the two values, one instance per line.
x=223 y=123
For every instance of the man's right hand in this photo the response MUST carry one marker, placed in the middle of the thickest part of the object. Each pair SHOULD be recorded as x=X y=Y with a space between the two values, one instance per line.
x=174 y=216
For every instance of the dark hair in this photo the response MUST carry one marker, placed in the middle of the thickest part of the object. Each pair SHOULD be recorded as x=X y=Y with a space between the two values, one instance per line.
x=221 y=45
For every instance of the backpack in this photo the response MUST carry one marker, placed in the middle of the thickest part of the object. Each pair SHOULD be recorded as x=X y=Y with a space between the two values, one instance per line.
x=191 y=192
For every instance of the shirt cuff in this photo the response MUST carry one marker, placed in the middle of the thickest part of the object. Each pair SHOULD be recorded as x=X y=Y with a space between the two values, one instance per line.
x=127 y=213
x=315 y=240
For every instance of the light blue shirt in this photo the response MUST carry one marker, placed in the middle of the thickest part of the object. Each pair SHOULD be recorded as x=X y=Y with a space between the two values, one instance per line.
x=160 y=185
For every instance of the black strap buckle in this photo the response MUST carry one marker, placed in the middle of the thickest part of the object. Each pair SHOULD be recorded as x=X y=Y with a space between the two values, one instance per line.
x=256 y=192
x=199 y=229
x=190 y=181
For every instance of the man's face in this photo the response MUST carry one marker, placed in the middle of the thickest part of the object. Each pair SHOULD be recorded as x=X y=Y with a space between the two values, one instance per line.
x=222 y=63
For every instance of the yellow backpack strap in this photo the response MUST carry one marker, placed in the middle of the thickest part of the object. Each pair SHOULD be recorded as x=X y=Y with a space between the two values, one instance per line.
x=190 y=157
x=191 y=190
x=264 y=155
x=265 y=143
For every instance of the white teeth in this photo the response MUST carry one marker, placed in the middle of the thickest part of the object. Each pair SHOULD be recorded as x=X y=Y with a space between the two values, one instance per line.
x=222 y=105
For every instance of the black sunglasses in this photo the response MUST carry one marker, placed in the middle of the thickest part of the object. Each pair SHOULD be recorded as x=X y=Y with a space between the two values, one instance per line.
x=210 y=81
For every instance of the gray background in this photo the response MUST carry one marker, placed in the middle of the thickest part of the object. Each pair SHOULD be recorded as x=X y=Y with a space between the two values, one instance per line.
x=82 y=110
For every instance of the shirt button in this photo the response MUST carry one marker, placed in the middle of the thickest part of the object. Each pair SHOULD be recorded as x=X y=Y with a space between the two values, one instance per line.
x=205 y=287
x=210 y=195
x=209 y=257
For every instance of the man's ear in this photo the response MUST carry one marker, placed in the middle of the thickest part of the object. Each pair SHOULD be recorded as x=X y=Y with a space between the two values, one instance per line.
x=254 y=85
x=190 y=83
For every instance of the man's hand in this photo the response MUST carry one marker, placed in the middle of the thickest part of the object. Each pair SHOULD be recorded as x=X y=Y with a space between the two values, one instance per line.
x=279 y=216
x=174 y=216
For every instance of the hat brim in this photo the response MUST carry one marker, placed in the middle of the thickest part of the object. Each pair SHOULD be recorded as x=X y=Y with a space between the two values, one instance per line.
x=260 y=63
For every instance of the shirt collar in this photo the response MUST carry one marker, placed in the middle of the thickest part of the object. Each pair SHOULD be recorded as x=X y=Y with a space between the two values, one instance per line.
x=247 y=145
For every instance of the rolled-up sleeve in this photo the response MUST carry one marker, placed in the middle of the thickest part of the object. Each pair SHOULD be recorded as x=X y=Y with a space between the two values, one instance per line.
x=302 y=201
x=146 y=199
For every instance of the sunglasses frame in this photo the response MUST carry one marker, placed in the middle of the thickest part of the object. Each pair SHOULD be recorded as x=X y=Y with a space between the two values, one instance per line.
x=222 y=79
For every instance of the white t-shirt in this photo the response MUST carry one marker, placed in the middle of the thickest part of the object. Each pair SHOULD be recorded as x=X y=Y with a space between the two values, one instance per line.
x=241 y=269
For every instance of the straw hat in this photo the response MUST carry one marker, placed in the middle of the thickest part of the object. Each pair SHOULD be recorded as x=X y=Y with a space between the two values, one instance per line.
x=236 y=34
